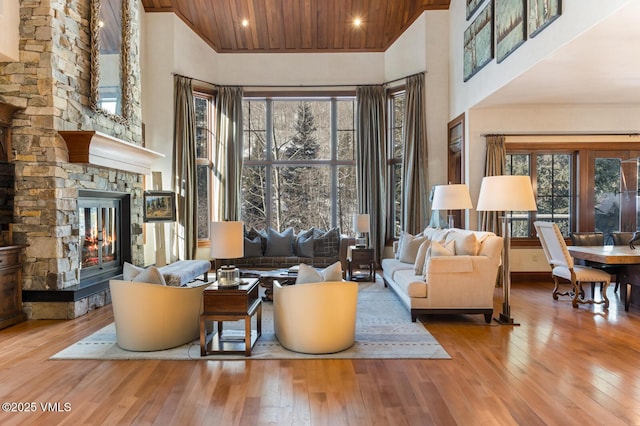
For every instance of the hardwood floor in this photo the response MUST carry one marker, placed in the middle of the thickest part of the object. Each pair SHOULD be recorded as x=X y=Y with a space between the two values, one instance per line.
x=562 y=366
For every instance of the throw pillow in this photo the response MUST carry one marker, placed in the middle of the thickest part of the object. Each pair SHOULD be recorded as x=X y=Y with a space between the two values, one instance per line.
x=279 y=243
x=437 y=249
x=129 y=271
x=304 y=243
x=151 y=275
x=409 y=247
x=326 y=244
x=252 y=233
x=332 y=272
x=401 y=240
x=465 y=242
x=420 y=257
x=253 y=247
x=308 y=274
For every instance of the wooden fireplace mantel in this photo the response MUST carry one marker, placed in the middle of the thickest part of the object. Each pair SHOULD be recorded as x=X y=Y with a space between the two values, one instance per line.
x=99 y=149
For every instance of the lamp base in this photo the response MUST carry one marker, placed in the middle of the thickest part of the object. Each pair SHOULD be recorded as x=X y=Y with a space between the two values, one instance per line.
x=228 y=276
x=505 y=320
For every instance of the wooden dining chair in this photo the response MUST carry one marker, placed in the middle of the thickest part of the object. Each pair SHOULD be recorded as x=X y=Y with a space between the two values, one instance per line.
x=563 y=267
x=620 y=239
x=594 y=239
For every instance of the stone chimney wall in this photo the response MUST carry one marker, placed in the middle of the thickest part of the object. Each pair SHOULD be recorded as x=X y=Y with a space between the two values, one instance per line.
x=52 y=83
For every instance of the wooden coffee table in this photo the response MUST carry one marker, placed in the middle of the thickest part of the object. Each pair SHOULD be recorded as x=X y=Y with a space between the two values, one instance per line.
x=222 y=304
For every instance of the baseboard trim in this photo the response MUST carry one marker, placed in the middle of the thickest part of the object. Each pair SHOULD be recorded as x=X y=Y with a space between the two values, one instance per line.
x=519 y=277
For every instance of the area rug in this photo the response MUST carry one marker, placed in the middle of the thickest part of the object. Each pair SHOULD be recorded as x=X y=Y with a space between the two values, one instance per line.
x=383 y=330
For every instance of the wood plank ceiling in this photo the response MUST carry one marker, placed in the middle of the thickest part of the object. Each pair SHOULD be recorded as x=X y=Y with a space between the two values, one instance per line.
x=297 y=25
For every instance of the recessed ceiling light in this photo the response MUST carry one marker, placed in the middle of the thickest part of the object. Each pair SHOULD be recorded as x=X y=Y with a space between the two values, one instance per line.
x=245 y=23
x=357 y=22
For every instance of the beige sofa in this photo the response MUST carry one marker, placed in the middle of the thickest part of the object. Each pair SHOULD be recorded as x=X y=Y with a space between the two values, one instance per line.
x=315 y=318
x=461 y=283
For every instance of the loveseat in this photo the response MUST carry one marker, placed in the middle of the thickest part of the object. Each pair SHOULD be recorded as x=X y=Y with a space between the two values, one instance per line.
x=445 y=271
x=270 y=249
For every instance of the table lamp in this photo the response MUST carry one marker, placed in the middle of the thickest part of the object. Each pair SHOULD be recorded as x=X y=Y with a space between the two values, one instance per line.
x=451 y=197
x=227 y=242
x=361 y=227
x=505 y=194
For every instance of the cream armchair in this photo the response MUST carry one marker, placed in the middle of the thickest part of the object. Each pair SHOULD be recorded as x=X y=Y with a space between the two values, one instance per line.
x=153 y=317
x=315 y=318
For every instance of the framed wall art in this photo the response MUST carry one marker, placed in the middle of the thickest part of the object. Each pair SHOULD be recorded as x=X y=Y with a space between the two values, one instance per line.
x=511 y=26
x=541 y=13
x=159 y=206
x=472 y=7
x=478 y=42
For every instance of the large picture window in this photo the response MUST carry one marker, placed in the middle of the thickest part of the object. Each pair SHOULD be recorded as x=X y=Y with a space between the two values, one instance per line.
x=299 y=163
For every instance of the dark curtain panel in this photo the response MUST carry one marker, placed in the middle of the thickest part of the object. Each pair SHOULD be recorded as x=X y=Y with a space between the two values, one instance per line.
x=414 y=161
x=495 y=165
x=371 y=155
x=183 y=173
x=227 y=159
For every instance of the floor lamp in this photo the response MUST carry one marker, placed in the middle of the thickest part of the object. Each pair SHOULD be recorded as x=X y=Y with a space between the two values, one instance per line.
x=506 y=194
x=451 y=197
x=227 y=242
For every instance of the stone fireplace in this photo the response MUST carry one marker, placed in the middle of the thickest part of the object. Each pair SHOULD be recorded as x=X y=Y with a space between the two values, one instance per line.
x=97 y=225
x=62 y=150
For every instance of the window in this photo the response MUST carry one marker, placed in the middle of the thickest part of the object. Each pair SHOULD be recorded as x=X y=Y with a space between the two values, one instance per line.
x=204 y=141
x=299 y=163
x=581 y=185
x=395 y=150
x=551 y=174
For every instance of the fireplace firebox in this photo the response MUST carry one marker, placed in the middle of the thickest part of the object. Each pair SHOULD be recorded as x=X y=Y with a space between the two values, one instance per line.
x=105 y=234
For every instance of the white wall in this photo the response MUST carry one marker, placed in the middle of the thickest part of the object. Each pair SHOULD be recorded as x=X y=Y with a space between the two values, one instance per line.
x=577 y=17
x=420 y=48
x=9 y=30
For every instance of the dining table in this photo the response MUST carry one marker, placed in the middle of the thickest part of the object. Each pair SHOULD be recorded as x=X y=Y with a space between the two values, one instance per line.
x=625 y=258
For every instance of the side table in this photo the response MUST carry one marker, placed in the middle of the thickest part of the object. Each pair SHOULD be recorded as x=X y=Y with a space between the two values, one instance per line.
x=356 y=258
x=222 y=304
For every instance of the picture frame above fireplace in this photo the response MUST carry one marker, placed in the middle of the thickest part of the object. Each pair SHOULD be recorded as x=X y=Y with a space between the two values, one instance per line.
x=159 y=206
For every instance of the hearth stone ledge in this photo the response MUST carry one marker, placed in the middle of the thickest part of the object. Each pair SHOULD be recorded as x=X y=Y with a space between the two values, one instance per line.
x=68 y=303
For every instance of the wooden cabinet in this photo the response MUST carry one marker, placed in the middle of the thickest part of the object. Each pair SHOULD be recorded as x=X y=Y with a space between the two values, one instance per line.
x=11 y=286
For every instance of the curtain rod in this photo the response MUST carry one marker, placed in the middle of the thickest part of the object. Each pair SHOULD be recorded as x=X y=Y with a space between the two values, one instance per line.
x=630 y=134
x=300 y=85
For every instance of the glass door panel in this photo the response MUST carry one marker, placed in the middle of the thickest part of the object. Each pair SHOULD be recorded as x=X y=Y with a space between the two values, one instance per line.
x=615 y=190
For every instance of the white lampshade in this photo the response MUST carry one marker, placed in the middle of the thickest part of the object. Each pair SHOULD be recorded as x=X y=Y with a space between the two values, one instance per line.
x=451 y=197
x=361 y=222
x=227 y=240
x=506 y=193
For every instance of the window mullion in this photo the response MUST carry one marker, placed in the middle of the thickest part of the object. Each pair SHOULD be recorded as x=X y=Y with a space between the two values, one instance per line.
x=269 y=156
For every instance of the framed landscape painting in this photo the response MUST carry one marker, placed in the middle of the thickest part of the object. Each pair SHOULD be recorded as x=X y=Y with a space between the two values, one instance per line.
x=478 y=42
x=159 y=206
x=472 y=7
x=511 y=28
x=541 y=13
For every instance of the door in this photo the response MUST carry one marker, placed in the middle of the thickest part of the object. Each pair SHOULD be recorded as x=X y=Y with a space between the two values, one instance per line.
x=613 y=193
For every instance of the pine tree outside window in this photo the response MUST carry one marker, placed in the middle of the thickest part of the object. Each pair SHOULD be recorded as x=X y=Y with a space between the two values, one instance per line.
x=299 y=164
